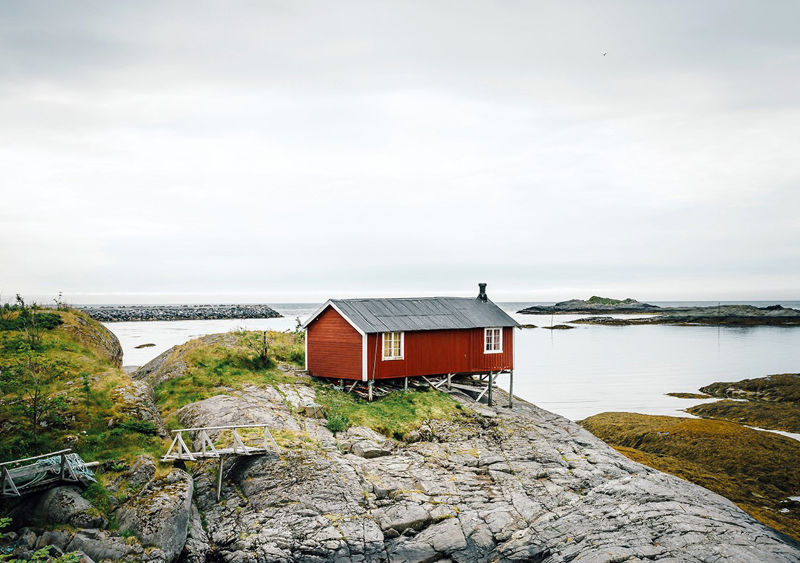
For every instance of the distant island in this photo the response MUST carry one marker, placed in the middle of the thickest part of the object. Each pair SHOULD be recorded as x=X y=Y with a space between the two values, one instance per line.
x=117 y=313
x=732 y=315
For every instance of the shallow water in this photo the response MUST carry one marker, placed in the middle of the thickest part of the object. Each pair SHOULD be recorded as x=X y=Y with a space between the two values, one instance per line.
x=575 y=373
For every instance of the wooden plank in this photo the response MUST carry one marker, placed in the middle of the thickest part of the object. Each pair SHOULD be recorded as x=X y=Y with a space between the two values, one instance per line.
x=7 y=480
x=230 y=427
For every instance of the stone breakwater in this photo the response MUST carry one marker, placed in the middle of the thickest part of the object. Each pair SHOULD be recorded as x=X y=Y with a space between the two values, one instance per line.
x=117 y=313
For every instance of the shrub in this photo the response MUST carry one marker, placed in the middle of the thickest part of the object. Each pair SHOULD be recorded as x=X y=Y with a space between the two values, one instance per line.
x=337 y=422
x=141 y=426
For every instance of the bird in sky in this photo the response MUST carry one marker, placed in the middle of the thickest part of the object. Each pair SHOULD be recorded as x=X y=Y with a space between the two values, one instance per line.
x=604 y=54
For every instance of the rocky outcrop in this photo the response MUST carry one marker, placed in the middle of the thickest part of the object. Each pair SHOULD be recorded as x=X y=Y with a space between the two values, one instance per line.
x=521 y=485
x=115 y=313
x=65 y=505
x=592 y=305
x=159 y=515
x=171 y=364
x=137 y=402
x=731 y=315
x=92 y=334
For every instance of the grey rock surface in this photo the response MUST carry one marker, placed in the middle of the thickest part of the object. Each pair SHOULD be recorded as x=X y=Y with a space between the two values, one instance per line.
x=159 y=515
x=99 y=546
x=521 y=485
x=65 y=505
x=115 y=313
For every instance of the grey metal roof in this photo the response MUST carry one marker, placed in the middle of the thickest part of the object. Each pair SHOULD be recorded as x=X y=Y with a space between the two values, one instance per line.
x=423 y=313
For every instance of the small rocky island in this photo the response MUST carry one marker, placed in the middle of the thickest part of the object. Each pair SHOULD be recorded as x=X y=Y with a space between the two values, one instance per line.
x=118 y=313
x=730 y=315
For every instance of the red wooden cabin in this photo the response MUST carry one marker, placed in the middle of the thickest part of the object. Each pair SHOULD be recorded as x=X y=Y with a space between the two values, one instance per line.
x=369 y=339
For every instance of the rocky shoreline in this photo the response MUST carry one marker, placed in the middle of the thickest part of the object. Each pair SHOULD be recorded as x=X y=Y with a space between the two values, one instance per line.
x=730 y=315
x=491 y=484
x=120 y=313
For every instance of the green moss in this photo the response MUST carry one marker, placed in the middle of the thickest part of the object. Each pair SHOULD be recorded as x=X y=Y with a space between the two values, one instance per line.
x=396 y=414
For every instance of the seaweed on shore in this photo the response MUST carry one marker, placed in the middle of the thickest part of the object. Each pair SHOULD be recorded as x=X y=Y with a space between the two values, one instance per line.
x=756 y=470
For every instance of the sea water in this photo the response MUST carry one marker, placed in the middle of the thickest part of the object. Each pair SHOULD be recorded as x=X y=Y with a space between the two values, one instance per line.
x=575 y=373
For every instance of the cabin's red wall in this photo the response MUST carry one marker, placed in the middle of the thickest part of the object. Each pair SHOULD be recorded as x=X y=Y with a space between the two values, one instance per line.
x=334 y=347
x=434 y=352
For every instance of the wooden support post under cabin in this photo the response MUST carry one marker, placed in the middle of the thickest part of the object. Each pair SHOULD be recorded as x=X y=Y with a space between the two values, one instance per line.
x=219 y=479
x=449 y=381
x=370 y=384
x=511 y=389
x=405 y=384
x=490 y=389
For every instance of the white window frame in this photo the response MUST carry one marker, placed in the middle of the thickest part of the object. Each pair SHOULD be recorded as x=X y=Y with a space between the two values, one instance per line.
x=383 y=346
x=486 y=339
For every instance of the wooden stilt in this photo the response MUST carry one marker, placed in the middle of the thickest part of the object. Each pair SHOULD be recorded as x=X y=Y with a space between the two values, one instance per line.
x=449 y=381
x=219 y=479
x=370 y=384
x=405 y=384
x=490 y=389
x=511 y=389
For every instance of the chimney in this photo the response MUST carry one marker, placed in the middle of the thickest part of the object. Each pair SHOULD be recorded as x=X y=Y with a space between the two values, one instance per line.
x=482 y=292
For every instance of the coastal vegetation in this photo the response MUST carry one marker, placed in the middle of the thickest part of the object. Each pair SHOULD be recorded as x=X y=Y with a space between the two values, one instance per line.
x=771 y=402
x=757 y=470
x=397 y=414
x=216 y=368
x=58 y=374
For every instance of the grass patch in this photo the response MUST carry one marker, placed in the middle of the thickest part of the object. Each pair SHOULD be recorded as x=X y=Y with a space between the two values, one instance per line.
x=80 y=398
x=756 y=470
x=395 y=415
x=221 y=368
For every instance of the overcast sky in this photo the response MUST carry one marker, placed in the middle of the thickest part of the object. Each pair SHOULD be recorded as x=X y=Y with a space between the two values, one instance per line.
x=294 y=151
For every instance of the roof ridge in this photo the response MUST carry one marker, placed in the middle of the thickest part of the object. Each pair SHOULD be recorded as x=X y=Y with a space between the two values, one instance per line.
x=399 y=298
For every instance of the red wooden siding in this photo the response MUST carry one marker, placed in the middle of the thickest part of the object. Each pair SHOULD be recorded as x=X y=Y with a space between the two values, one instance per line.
x=334 y=347
x=433 y=352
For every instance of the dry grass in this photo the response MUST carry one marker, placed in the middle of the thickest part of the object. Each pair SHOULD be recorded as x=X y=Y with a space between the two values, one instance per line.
x=775 y=416
x=756 y=470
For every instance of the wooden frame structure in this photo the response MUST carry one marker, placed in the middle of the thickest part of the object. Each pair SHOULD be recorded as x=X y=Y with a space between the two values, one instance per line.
x=179 y=451
x=34 y=474
x=478 y=388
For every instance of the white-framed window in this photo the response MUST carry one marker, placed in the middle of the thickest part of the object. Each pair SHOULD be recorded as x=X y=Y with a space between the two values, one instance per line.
x=392 y=345
x=493 y=341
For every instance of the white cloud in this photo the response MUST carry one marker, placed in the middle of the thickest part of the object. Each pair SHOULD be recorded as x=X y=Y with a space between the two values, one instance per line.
x=291 y=149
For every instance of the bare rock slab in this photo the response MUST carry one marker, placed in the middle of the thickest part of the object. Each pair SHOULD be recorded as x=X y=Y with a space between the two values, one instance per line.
x=159 y=515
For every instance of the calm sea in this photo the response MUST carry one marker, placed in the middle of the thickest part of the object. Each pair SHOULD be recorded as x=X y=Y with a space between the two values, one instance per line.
x=575 y=373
